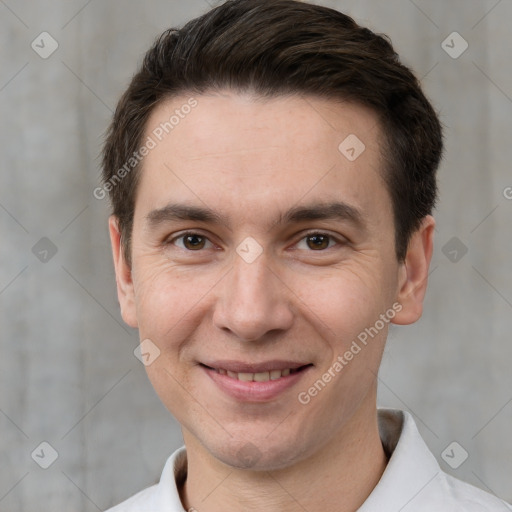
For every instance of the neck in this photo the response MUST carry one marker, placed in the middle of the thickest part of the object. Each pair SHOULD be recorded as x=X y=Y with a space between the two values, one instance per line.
x=340 y=476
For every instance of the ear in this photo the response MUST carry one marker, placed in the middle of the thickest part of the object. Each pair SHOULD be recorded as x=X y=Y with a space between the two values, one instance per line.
x=125 y=290
x=413 y=273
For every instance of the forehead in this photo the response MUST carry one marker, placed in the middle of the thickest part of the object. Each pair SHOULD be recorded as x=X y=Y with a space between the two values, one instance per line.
x=243 y=121
x=247 y=150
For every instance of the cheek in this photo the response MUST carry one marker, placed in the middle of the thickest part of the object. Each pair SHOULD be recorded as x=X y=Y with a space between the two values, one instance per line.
x=168 y=303
x=156 y=299
x=349 y=302
x=169 y=298
x=346 y=299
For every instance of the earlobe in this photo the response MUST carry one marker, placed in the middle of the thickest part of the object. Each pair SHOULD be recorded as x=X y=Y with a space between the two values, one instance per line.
x=414 y=273
x=125 y=289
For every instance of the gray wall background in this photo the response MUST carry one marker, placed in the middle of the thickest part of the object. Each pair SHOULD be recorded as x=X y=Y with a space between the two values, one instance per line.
x=68 y=375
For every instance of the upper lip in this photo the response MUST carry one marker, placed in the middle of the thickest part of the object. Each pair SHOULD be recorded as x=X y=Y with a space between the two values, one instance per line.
x=264 y=366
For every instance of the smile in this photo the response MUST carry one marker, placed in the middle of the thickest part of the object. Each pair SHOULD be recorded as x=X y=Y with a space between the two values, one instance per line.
x=255 y=386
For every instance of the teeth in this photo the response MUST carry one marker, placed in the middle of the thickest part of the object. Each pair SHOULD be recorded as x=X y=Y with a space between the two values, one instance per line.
x=257 y=377
x=275 y=374
x=261 y=377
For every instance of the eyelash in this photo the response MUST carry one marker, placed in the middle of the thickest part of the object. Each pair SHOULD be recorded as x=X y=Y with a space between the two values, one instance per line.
x=306 y=235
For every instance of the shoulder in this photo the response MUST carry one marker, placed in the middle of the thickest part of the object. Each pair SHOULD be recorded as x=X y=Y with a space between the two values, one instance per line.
x=461 y=496
x=143 y=500
x=164 y=496
x=413 y=480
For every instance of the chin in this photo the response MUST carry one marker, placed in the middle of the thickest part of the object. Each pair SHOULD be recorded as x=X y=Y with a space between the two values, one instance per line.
x=259 y=455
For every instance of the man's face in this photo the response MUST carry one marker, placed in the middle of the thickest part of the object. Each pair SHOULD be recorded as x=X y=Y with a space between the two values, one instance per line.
x=296 y=261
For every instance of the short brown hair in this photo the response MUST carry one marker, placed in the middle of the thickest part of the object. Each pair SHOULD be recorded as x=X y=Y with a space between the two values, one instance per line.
x=282 y=47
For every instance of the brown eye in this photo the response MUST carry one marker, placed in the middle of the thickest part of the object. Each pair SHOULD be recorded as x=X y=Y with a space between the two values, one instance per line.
x=193 y=242
x=317 y=241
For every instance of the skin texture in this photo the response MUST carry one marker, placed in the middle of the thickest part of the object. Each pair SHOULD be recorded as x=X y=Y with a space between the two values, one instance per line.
x=250 y=160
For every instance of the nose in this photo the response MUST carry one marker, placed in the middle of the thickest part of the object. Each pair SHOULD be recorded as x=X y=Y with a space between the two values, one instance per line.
x=253 y=301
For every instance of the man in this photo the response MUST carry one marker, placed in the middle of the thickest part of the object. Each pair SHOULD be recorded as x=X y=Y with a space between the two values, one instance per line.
x=272 y=173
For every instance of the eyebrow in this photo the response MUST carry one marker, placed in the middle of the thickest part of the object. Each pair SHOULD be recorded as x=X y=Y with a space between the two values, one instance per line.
x=173 y=212
x=339 y=211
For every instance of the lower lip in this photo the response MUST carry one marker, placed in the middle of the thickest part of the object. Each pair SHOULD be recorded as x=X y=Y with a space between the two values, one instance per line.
x=254 y=391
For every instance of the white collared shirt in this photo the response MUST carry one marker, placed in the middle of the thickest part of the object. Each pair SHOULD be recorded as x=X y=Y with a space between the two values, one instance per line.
x=412 y=481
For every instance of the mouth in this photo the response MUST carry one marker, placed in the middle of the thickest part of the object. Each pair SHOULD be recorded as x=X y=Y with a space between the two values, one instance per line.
x=255 y=382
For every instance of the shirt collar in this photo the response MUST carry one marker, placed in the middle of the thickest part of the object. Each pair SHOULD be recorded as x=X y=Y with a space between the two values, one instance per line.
x=411 y=467
x=173 y=475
